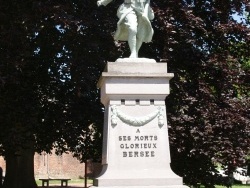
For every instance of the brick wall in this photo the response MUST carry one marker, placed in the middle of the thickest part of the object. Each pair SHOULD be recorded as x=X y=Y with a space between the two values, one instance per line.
x=2 y=164
x=64 y=166
x=52 y=166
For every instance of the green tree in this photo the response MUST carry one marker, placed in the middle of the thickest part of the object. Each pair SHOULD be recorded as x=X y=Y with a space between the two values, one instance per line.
x=48 y=88
x=209 y=102
x=52 y=54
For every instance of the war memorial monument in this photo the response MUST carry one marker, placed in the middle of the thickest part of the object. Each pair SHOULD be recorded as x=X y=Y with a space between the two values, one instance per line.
x=133 y=91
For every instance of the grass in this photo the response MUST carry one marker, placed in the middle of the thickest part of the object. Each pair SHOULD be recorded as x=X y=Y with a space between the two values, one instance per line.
x=234 y=186
x=90 y=181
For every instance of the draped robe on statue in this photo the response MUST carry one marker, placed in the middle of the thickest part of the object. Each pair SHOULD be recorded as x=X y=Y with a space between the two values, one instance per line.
x=144 y=14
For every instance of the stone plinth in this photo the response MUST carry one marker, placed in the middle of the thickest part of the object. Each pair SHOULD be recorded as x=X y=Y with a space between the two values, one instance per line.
x=136 y=146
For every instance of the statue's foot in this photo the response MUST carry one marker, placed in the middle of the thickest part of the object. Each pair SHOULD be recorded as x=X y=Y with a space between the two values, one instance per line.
x=133 y=55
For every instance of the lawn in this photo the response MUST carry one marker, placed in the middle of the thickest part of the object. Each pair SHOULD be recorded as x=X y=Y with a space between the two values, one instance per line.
x=234 y=186
x=90 y=181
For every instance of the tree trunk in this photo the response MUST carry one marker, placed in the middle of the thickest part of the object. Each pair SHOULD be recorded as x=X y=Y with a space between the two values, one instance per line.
x=20 y=169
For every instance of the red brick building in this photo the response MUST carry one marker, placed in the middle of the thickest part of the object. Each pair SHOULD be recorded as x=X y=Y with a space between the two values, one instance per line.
x=2 y=164
x=64 y=166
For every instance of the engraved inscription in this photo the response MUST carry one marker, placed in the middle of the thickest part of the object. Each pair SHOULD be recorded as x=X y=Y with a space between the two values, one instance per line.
x=138 y=146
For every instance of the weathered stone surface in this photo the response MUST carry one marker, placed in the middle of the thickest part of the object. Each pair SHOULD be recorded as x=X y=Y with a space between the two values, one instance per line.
x=130 y=81
x=136 y=145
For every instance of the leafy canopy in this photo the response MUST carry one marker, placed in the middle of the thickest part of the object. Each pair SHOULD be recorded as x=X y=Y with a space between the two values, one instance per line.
x=53 y=52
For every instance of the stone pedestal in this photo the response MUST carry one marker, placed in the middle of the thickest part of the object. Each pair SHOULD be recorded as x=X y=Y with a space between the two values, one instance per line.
x=135 y=145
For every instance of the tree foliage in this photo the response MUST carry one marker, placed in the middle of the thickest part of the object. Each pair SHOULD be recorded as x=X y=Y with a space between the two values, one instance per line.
x=53 y=52
x=209 y=102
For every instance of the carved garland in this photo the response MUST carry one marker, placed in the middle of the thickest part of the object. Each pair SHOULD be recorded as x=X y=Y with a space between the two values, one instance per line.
x=136 y=121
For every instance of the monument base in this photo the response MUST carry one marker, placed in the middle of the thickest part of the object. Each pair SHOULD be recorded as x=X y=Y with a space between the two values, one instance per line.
x=135 y=60
x=138 y=177
x=135 y=139
x=141 y=183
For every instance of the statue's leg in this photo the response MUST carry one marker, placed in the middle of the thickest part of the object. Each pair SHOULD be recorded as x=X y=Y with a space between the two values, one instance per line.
x=139 y=34
x=138 y=45
x=131 y=23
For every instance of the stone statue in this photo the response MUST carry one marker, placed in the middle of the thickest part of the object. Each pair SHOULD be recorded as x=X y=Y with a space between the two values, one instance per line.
x=134 y=23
